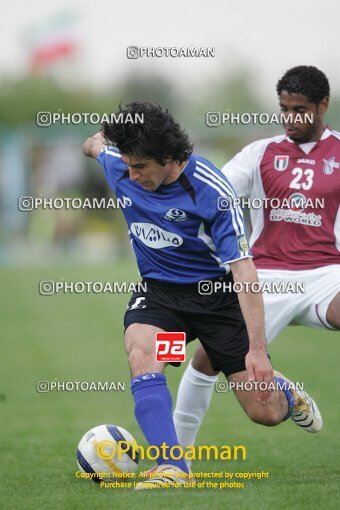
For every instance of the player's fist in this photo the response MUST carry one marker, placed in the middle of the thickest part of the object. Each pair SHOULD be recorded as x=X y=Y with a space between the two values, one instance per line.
x=259 y=370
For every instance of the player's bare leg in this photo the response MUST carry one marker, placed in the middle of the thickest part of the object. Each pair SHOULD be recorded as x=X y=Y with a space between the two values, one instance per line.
x=333 y=312
x=269 y=413
x=201 y=362
x=196 y=389
x=289 y=403
x=140 y=345
x=153 y=405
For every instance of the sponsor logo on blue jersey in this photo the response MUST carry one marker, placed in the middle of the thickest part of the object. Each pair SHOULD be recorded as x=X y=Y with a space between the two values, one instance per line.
x=154 y=236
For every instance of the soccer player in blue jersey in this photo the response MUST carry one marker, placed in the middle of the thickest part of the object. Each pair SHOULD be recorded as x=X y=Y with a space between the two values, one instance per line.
x=180 y=237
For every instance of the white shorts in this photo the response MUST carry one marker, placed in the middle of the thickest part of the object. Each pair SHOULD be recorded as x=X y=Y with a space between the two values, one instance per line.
x=306 y=308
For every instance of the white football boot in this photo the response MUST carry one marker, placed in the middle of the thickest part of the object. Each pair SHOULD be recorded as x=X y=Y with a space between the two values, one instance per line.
x=305 y=411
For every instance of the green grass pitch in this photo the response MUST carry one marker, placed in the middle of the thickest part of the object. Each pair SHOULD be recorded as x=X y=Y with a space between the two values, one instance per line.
x=80 y=338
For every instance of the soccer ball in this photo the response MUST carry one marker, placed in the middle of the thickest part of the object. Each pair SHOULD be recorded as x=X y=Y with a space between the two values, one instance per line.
x=107 y=450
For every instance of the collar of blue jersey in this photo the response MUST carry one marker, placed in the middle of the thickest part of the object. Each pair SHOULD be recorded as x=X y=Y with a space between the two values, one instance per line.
x=189 y=163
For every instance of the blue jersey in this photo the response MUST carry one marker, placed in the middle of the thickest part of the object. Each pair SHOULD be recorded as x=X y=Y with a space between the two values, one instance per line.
x=185 y=231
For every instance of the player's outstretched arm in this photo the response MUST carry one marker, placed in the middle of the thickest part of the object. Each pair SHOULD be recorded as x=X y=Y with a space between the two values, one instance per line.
x=257 y=362
x=94 y=145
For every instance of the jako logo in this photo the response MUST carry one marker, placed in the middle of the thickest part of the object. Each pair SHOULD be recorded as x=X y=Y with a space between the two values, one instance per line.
x=170 y=346
x=154 y=236
x=176 y=215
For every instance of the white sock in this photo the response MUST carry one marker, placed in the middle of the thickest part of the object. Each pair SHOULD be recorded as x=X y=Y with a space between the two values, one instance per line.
x=193 y=399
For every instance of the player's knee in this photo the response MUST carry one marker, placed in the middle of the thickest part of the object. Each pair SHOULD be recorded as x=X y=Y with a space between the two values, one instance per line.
x=333 y=312
x=264 y=414
x=201 y=362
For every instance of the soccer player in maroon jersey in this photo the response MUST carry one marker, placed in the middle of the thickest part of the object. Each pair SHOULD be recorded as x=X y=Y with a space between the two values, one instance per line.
x=290 y=244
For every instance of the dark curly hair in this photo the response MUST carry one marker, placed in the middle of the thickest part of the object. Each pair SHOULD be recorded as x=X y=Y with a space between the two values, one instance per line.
x=305 y=80
x=158 y=137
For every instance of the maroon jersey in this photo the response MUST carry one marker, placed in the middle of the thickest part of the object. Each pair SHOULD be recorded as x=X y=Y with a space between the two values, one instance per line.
x=296 y=219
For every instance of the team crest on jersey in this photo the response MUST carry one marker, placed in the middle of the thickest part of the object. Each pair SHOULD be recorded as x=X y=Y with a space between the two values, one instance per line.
x=175 y=215
x=329 y=165
x=297 y=201
x=281 y=163
x=242 y=243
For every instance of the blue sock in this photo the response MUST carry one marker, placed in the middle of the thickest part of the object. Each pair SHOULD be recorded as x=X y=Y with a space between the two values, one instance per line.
x=283 y=386
x=153 y=411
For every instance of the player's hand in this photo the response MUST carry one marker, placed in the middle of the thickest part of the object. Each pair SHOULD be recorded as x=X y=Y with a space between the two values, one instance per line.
x=94 y=145
x=259 y=369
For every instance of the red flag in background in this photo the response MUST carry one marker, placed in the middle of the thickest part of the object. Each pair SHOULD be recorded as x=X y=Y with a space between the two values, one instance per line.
x=53 y=40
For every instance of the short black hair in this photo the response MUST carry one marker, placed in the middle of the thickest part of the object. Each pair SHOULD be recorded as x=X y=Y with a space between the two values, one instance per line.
x=158 y=137
x=305 y=80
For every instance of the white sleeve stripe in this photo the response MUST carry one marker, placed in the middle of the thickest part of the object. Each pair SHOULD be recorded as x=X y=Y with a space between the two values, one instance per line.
x=216 y=178
x=234 y=221
x=237 y=222
x=235 y=260
x=224 y=184
x=116 y=154
x=229 y=191
x=214 y=174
